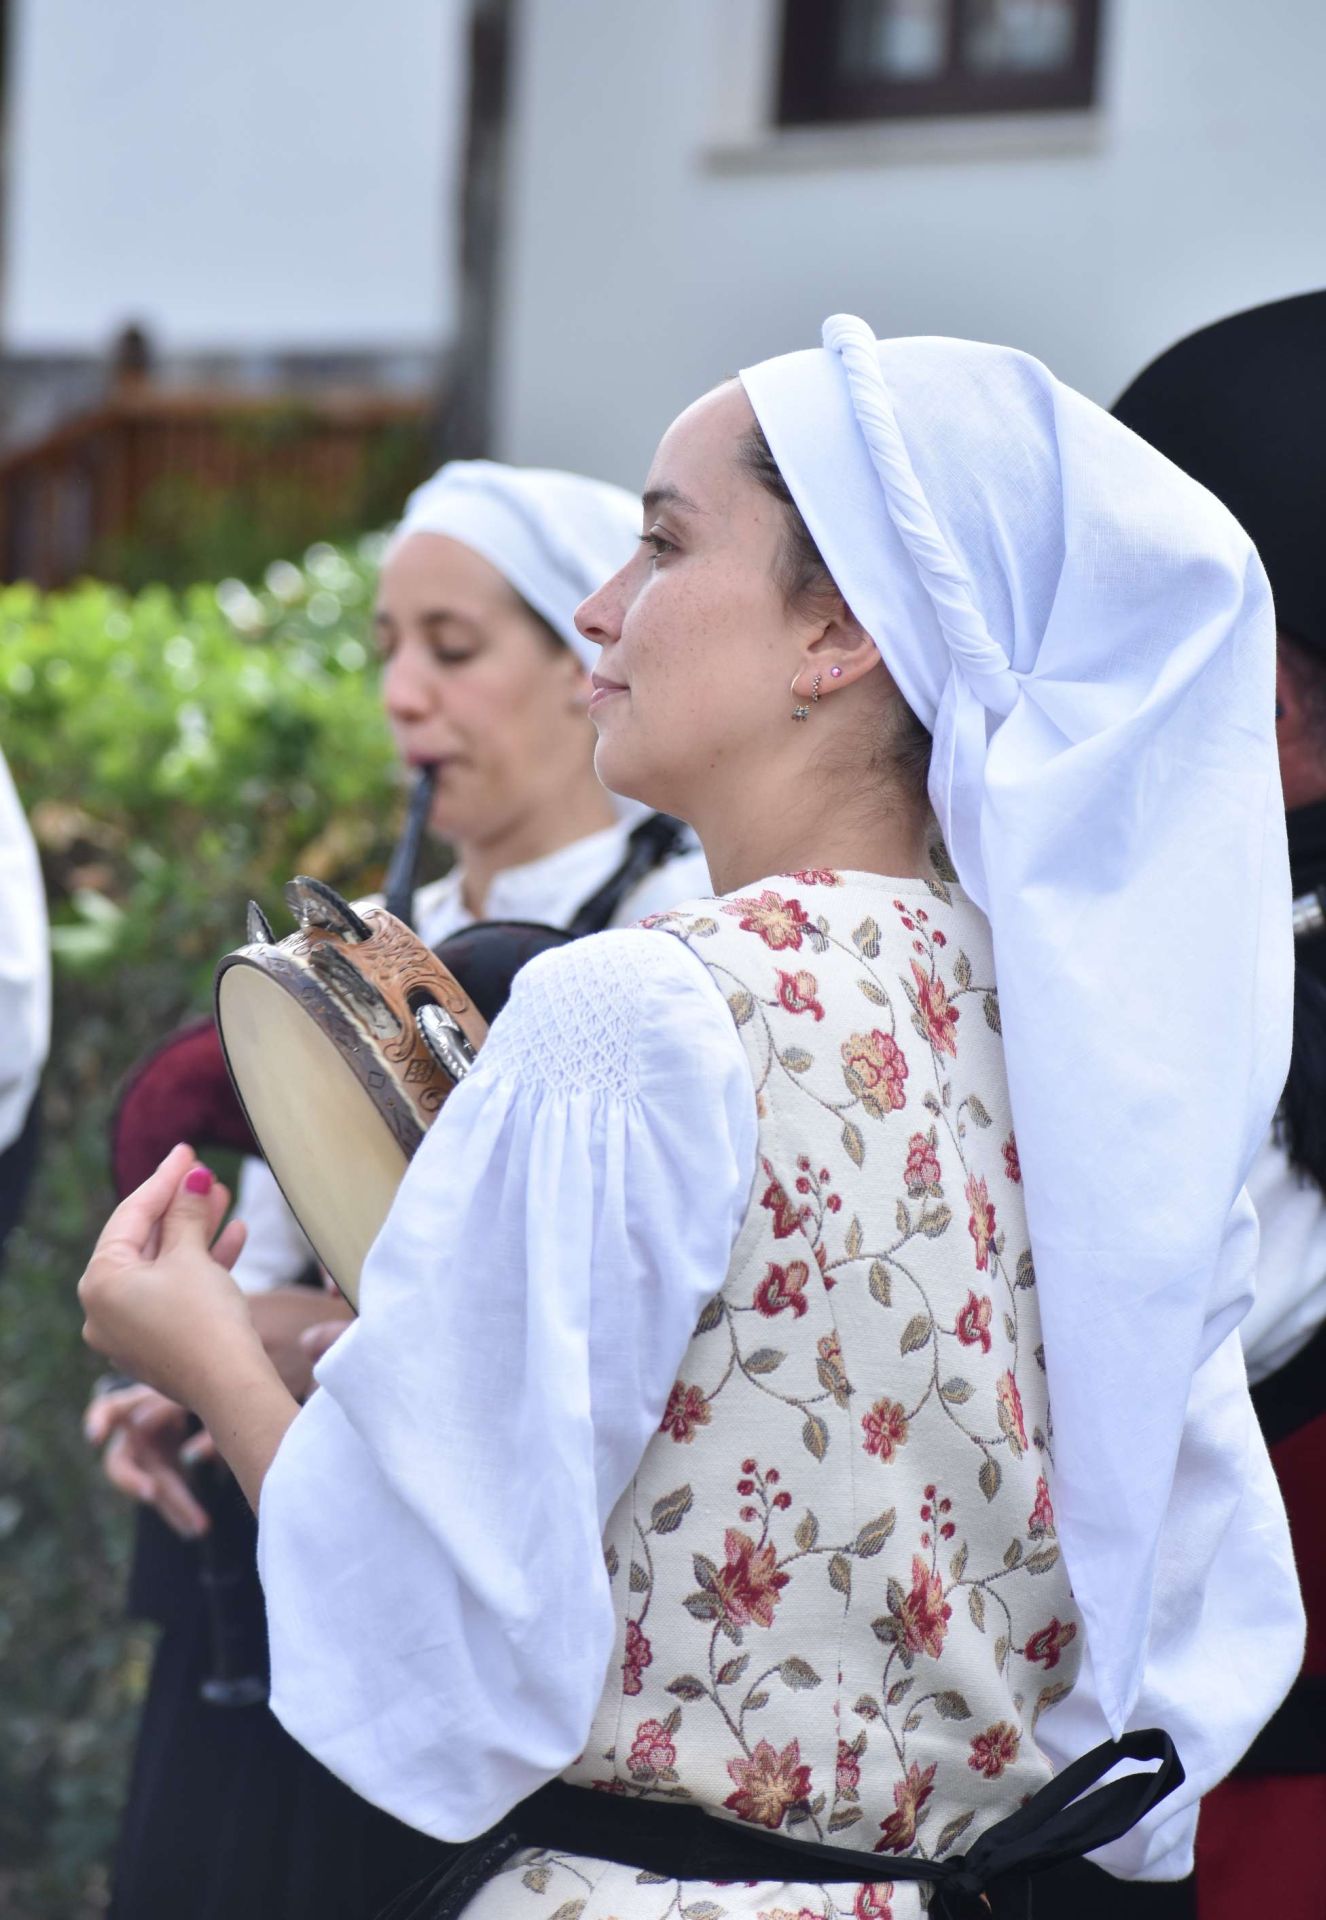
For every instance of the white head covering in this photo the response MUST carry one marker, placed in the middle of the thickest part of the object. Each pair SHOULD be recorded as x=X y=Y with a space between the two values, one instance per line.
x=1089 y=636
x=554 y=536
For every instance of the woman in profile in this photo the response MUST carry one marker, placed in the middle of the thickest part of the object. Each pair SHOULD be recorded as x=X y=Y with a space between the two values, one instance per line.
x=797 y=1391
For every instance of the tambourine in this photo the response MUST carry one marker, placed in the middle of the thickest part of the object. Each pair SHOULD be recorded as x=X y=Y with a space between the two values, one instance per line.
x=342 y=1041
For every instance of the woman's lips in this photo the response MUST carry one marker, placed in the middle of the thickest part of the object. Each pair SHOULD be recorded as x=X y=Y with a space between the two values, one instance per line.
x=603 y=690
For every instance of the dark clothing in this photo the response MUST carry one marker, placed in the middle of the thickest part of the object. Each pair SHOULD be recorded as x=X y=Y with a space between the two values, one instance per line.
x=16 y=1167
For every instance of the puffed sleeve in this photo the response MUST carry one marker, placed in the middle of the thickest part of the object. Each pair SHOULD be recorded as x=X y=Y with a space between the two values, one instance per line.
x=430 y=1530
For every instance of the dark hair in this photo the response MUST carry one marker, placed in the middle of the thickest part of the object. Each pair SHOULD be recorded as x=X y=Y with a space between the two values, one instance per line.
x=904 y=754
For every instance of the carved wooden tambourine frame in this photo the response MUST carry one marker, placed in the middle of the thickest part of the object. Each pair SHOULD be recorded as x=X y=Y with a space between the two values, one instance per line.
x=362 y=993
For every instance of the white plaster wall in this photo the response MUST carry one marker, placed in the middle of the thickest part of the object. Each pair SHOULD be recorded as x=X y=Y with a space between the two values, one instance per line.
x=236 y=173
x=641 y=268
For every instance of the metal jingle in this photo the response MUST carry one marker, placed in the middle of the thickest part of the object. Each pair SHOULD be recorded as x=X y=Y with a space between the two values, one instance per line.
x=315 y=904
x=445 y=1040
x=257 y=927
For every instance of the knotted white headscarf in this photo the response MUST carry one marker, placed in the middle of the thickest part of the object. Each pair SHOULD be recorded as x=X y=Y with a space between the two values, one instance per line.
x=1089 y=636
x=554 y=536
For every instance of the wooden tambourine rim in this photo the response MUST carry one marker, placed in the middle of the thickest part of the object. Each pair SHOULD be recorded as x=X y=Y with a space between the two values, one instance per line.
x=394 y=1106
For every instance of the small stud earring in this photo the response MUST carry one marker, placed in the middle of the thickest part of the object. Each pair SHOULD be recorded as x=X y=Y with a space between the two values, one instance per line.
x=835 y=673
x=815 y=688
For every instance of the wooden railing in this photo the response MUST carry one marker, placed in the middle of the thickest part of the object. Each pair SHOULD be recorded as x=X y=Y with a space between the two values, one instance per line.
x=66 y=499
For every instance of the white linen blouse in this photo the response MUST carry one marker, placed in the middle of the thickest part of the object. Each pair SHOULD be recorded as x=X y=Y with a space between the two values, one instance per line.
x=430 y=1528
x=548 y=890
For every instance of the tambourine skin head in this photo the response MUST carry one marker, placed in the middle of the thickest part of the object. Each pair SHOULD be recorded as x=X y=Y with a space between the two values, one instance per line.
x=336 y=1080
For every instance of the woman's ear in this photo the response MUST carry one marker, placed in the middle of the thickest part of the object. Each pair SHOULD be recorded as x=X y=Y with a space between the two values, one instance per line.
x=843 y=652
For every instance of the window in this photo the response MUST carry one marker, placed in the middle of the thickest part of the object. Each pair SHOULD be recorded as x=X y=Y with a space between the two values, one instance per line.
x=905 y=59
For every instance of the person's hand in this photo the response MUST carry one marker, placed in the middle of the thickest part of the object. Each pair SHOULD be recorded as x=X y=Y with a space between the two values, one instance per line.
x=142 y=1435
x=285 y=1318
x=159 y=1303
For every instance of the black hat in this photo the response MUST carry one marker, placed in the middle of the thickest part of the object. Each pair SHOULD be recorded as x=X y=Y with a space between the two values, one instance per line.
x=1241 y=406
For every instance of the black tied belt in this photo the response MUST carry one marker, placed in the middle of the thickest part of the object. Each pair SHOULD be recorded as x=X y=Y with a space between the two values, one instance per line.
x=678 y=1841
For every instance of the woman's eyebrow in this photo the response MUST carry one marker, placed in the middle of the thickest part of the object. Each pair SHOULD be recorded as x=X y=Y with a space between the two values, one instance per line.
x=668 y=497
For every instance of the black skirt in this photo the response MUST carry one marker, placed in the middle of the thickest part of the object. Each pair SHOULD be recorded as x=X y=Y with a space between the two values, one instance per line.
x=228 y=1818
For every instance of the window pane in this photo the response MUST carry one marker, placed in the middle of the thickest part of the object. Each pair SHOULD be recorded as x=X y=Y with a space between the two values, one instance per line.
x=893 y=39
x=1019 y=36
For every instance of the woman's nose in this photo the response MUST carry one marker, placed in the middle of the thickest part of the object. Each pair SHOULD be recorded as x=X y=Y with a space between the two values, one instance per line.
x=406 y=690
x=599 y=618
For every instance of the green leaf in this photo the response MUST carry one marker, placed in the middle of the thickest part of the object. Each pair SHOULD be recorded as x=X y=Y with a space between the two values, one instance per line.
x=873 y=993
x=798 y=1674
x=815 y=1436
x=990 y=1007
x=977 y=1109
x=687 y=1687
x=807 y=1533
x=763 y=1360
x=961 y=970
x=976 y=1608
x=874 y=1533
x=880 y=1288
x=989 y=1477
x=796 y=1060
x=957 y=1392
x=916 y=1333
x=742 y=1006
x=952 y=1706
x=865 y=938
x=670 y=1509
x=840 y=1574
x=854 y=1240
x=952 y=1832
x=853 y=1143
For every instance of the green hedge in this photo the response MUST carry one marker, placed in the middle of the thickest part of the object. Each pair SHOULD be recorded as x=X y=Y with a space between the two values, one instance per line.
x=177 y=754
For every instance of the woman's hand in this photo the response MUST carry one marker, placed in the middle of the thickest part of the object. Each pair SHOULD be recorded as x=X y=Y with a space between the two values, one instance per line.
x=159 y=1303
x=141 y=1434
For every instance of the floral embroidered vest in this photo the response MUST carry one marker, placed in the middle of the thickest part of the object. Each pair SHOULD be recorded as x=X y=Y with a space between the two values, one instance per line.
x=841 y=1604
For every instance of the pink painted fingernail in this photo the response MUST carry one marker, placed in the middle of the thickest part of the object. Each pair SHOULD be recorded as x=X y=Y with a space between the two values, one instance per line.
x=198 y=1180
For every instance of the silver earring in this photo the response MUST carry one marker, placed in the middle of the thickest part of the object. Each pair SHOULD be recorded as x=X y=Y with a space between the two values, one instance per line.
x=802 y=711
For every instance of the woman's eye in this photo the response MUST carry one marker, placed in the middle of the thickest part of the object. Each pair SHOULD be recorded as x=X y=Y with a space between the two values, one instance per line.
x=657 y=544
x=452 y=656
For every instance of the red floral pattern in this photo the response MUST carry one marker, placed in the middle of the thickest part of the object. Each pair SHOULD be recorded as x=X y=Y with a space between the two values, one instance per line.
x=922 y=1169
x=639 y=1655
x=778 y=922
x=1041 y=1521
x=973 y=1327
x=874 y=1068
x=652 y=1751
x=1010 y=1413
x=787 y=1218
x=995 y=1750
x=750 y=1582
x=783 y=1289
x=796 y=994
x=768 y=1784
x=909 y=1799
x=938 y=1016
x=686 y=1410
x=885 y=1428
x=1012 y=1165
x=981 y=1225
x=1046 y=1646
x=923 y=1614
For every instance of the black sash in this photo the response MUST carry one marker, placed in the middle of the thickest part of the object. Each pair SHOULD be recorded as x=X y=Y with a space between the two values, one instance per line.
x=1070 y=1816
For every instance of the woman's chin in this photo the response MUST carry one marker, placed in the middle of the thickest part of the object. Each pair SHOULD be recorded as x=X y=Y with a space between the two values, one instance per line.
x=621 y=773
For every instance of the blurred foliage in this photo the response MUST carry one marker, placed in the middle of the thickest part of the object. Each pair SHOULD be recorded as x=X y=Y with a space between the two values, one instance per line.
x=272 y=492
x=177 y=754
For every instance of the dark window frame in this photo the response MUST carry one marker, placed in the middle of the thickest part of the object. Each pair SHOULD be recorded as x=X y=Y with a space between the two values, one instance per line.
x=812 y=93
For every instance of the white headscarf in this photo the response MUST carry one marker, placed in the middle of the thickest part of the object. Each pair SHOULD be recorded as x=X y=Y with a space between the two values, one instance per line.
x=554 y=536
x=1089 y=636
